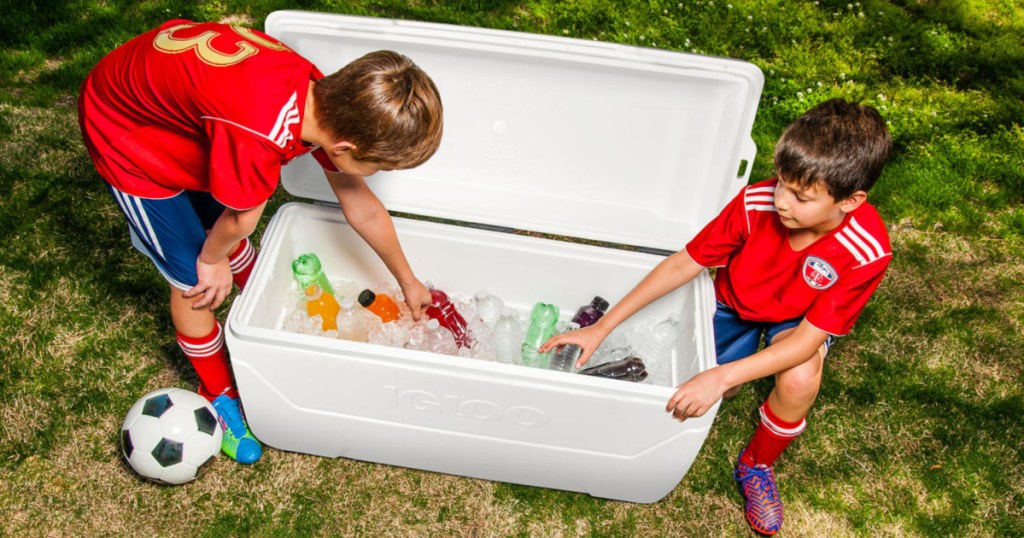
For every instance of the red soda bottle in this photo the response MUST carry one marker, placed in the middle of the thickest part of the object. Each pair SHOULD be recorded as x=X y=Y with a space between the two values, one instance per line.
x=445 y=313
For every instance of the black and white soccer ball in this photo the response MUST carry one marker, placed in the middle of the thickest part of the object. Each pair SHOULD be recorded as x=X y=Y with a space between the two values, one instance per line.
x=169 y=434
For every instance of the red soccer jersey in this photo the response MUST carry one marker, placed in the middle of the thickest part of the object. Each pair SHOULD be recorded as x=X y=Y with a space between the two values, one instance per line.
x=764 y=279
x=197 y=106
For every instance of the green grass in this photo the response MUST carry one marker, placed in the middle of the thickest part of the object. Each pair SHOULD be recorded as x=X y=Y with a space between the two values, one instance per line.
x=918 y=429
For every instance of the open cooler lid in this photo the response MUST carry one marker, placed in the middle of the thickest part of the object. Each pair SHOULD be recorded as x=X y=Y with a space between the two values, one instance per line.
x=563 y=136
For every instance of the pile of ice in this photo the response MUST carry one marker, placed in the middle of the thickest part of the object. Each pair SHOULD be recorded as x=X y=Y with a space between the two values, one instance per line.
x=497 y=331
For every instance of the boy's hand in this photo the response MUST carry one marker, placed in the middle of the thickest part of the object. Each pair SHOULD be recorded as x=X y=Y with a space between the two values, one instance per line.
x=696 y=396
x=588 y=338
x=417 y=296
x=214 y=284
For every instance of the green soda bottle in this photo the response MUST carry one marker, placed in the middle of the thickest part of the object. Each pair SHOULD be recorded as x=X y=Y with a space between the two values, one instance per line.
x=307 y=270
x=542 y=326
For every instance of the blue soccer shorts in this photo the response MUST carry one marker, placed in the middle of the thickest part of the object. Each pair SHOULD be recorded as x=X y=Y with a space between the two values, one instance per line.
x=171 y=231
x=737 y=338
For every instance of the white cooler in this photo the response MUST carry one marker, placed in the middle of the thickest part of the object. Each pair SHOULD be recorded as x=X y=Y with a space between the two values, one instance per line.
x=620 y=145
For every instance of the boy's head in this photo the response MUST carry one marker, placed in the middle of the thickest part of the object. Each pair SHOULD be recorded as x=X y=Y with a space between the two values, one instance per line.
x=840 y=144
x=385 y=106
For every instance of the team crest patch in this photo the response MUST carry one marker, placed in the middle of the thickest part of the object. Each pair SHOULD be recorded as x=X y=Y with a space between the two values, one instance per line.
x=818 y=273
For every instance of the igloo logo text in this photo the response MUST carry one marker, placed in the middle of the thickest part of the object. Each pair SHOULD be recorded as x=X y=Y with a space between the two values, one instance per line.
x=475 y=408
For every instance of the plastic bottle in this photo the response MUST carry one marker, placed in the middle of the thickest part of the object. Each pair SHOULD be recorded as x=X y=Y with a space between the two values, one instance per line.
x=440 y=339
x=508 y=337
x=351 y=324
x=385 y=307
x=628 y=369
x=445 y=313
x=542 y=326
x=307 y=270
x=322 y=303
x=655 y=346
x=563 y=358
x=588 y=314
x=488 y=307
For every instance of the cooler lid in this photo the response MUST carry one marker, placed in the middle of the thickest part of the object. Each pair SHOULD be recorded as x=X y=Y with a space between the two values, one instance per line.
x=564 y=136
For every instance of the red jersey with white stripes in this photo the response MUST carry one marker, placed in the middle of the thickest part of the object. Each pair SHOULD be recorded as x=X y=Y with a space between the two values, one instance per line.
x=200 y=107
x=765 y=280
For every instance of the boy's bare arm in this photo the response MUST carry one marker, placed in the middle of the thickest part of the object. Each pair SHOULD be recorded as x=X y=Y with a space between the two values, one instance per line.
x=370 y=219
x=212 y=267
x=671 y=273
x=694 y=397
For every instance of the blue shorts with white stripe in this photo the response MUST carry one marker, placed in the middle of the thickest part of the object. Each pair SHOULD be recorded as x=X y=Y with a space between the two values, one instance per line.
x=171 y=231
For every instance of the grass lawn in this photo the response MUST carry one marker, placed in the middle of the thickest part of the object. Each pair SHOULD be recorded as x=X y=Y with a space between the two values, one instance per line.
x=918 y=428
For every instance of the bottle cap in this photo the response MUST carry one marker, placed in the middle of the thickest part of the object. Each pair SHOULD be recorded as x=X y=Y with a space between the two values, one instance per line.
x=347 y=302
x=366 y=298
x=313 y=292
x=599 y=303
x=306 y=264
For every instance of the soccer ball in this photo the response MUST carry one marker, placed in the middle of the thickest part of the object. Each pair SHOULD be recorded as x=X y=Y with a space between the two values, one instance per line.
x=169 y=434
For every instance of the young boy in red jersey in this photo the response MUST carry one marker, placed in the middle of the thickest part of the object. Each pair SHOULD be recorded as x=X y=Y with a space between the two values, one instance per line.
x=798 y=257
x=189 y=125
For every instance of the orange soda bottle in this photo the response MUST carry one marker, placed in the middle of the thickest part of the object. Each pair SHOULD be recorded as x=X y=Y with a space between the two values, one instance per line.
x=321 y=303
x=385 y=307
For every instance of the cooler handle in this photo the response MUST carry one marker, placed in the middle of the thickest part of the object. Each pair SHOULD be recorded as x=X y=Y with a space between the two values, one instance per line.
x=744 y=166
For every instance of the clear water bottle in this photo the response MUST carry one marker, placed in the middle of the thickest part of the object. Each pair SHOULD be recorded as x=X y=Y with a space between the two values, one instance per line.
x=444 y=311
x=488 y=307
x=508 y=337
x=351 y=322
x=655 y=346
x=542 y=326
x=563 y=358
x=588 y=314
x=439 y=339
x=307 y=270
x=321 y=303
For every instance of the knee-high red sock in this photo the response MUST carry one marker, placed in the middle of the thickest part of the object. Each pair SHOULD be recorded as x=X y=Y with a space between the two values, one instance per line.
x=241 y=262
x=772 y=436
x=210 y=360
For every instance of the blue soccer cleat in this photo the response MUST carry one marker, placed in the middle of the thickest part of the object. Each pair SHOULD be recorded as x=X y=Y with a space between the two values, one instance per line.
x=763 y=506
x=238 y=442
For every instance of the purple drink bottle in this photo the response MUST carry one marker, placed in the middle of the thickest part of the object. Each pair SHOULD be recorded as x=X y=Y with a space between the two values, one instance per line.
x=588 y=314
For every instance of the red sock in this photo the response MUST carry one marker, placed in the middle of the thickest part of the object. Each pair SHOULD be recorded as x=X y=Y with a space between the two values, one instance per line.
x=772 y=436
x=210 y=360
x=241 y=262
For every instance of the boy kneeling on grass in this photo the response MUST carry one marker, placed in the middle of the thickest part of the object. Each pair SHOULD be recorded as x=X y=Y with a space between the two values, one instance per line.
x=189 y=125
x=798 y=257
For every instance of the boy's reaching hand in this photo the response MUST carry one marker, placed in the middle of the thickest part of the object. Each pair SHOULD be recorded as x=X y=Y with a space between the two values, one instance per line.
x=214 y=284
x=696 y=396
x=417 y=296
x=588 y=338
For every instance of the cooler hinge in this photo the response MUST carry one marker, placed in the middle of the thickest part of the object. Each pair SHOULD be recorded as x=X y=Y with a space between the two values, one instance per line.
x=655 y=251
x=490 y=227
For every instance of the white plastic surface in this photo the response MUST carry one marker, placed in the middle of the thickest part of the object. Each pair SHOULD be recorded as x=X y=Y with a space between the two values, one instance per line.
x=577 y=138
x=461 y=416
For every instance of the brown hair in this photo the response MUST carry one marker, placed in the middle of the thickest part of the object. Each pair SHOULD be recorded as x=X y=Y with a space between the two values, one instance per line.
x=844 y=145
x=385 y=105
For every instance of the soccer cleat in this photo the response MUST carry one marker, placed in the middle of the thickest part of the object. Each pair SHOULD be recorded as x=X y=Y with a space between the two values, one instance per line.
x=763 y=506
x=238 y=442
